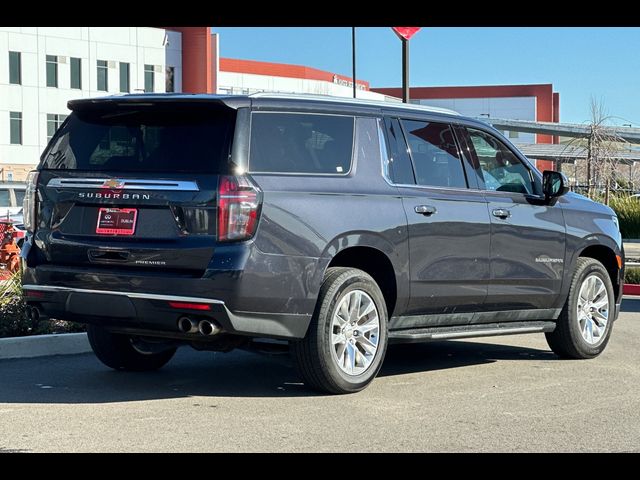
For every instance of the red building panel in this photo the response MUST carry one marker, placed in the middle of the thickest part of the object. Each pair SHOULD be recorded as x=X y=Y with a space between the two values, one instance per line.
x=545 y=100
x=281 y=70
x=197 y=59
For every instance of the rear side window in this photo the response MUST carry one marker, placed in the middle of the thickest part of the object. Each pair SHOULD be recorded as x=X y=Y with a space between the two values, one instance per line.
x=301 y=143
x=164 y=139
x=435 y=154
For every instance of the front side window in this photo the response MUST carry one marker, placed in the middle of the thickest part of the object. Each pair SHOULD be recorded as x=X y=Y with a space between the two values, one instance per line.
x=103 y=76
x=52 y=71
x=435 y=154
x=501 y=170
x=301 y=143
x=149 y=78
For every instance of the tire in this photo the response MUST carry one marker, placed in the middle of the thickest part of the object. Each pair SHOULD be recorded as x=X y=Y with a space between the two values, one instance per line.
x=318 y=360
x=117 y=351
x=567 y=340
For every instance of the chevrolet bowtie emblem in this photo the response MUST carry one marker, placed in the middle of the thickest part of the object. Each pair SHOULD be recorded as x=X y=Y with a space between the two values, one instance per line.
x=113 y=184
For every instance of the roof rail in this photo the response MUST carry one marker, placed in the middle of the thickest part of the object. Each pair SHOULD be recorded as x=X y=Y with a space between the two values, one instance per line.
x=373 y=103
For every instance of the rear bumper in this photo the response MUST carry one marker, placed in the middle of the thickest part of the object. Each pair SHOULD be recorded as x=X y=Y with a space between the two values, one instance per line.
x=152 y=313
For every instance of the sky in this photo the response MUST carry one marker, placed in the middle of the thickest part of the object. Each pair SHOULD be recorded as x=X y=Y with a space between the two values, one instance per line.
x=581 y=63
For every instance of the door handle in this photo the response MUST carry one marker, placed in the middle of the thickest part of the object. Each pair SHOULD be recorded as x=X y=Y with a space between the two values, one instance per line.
x=501 y=213
x=426 y=210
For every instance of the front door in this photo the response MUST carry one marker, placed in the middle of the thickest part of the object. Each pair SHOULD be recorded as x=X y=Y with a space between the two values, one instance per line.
x=527 y=236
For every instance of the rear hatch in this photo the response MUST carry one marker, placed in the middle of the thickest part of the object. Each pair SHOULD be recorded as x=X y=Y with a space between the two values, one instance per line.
x=133 y=185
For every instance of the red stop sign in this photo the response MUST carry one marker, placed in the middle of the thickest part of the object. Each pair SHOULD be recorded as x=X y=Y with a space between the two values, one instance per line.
x=406 y=32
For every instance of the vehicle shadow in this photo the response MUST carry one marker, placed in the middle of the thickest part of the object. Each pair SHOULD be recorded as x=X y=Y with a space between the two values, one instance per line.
x=424 y=357
x=79 y=379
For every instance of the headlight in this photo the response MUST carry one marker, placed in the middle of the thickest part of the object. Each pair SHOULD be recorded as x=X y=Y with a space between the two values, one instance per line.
x=615 y=220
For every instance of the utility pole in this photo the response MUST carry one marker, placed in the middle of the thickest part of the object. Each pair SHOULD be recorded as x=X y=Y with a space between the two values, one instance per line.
x=353 y=58
x=405 y=70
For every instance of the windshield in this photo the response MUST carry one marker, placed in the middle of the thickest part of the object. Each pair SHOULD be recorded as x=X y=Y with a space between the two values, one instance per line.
x=180 y=139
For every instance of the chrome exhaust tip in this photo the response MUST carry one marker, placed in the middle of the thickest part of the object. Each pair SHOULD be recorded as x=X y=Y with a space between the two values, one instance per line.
x=206 y=327
x=187 y=325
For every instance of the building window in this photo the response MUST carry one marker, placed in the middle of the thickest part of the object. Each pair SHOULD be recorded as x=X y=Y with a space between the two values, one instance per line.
x=10 y=179
x=149 y=78
x=76 y=73
x=15 y=68
x=15 y=128
x=52 y=71
x=169 y=81
x=103 y=84
x=54 y=121
x=513 y=134
x=124 y=77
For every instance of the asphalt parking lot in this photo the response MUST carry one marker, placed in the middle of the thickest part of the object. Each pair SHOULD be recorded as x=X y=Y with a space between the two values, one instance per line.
x=497 y=394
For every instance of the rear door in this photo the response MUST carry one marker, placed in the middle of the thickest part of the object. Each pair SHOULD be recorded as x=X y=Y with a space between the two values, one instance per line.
x=133 y=185
x=448 y=221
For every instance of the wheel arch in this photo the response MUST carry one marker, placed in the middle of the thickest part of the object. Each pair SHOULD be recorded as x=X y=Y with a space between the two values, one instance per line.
x=387 y=264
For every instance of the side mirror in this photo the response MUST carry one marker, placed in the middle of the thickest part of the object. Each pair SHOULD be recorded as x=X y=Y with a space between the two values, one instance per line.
x=554 y=184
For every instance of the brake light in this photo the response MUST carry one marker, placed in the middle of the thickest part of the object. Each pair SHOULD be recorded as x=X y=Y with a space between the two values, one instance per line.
x=238 y=208
x=29 y=203
x=190 y=306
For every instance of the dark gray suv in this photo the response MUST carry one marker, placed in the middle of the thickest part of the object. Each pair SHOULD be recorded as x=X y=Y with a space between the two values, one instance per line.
x=335 y=226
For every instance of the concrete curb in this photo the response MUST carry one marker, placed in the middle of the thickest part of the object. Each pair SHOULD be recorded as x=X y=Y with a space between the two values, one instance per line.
x=631 y=289
x=44 y=345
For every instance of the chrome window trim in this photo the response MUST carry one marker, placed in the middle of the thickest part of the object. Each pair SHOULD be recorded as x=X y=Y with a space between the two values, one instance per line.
x=128 y=184
x=384 y=163
x=147 y=296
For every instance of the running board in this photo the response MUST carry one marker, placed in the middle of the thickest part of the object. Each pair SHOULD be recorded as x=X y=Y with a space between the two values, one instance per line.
x=416 y=335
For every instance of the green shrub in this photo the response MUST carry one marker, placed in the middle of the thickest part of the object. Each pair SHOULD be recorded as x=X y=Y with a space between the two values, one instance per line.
x=632 y=275
x=628 y=211
x=13 y=318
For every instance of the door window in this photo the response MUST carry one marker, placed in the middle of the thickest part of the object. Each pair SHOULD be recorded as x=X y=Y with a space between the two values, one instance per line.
x=501 y=170
x=435 y=154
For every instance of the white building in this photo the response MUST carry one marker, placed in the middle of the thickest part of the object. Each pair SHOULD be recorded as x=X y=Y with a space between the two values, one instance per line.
x=41 y=68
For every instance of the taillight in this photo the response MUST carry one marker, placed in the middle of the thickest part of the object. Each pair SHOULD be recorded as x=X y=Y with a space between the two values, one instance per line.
x=238 y=208
x=29 y=203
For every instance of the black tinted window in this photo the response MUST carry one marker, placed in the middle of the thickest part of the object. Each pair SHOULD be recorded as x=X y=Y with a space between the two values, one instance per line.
x=301 y=143
x=400 y=169
x=435 y=155
x=170 y=139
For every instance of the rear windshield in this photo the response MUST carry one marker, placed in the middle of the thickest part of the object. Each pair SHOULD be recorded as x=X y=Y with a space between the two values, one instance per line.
x=193 y=140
